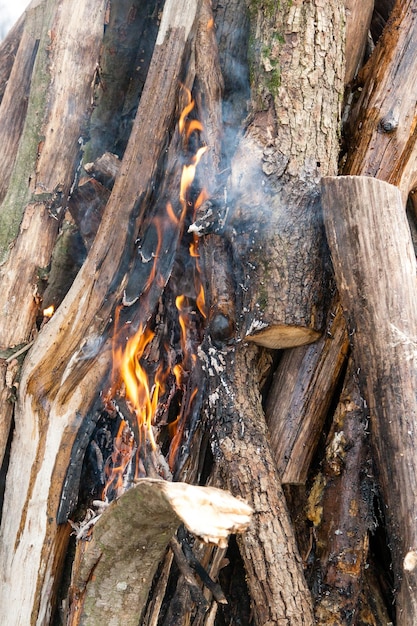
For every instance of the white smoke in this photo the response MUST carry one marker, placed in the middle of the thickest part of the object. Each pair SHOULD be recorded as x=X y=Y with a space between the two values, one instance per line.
x=10 y=11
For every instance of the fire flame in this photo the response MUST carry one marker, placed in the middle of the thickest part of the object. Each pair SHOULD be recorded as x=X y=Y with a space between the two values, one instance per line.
x=49 y=311
x=130 y=378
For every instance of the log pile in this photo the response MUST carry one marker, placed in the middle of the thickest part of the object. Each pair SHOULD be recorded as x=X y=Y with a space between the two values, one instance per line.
x=290 y=384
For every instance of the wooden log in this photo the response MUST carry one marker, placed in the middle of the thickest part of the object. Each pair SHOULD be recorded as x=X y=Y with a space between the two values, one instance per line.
x=341 y=512
x=301 y=393
x=272 y=194
x=358 y=21
x=375 y=270
x=69 y=361
x=117 y=557
x=245 y=466
x=26 y=32
x=8 y=50
x=381 y=131
x=43 y=168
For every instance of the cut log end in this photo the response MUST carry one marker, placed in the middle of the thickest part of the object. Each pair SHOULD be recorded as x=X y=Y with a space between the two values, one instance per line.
x=280 y=337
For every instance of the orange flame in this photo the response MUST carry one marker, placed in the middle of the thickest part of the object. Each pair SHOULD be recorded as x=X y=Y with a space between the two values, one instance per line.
x=143 y=392
x=49 y=311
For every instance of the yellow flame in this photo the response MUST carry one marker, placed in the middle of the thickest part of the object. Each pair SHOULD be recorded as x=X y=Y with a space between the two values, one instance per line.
x=49 y=311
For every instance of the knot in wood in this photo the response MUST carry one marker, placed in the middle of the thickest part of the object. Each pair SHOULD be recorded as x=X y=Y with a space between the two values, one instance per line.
x=221 y=329
x=388 y=124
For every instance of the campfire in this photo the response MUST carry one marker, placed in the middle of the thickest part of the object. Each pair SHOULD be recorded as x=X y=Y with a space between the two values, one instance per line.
x=208 y=317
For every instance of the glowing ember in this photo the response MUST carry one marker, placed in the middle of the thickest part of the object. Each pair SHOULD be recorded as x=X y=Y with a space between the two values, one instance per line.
x=48 y=312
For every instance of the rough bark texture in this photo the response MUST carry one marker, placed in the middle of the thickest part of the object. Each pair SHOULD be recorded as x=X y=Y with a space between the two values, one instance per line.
x=245 y=466
x=275 y=171
x=375 y=269
x=116 y=562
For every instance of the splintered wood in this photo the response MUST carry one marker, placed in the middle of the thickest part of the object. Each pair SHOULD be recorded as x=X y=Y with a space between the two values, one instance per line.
x=114 y=569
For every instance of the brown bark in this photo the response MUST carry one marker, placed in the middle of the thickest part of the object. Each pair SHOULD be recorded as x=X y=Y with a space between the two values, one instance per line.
x=116 y=561
x=375 y=269
x=276 y=169
x=301 y=393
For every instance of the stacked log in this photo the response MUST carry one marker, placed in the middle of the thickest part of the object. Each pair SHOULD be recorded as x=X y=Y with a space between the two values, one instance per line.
x=297 y=368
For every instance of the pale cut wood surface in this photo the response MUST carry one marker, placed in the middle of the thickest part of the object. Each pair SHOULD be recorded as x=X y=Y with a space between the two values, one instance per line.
x=375 y=269
x=117 y=559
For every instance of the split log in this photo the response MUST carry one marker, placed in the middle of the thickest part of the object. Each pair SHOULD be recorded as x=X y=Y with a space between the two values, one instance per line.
x=381 y=134
x=70 y=359
x=340 y=510
x=115 y=564
x=300 y=396
x=375 y=270
x=8 y=50
x=358 y=21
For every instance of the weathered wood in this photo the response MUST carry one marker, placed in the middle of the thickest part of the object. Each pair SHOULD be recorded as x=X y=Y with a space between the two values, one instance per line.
x=273 y=193
x=381 y=136
x=342 y=512
x=245 y=466
x=120 y=553
x=69 y=361
x=301 y=393
x=46 y=161
x=375 y=270
x=358 y=21
x=8 y=50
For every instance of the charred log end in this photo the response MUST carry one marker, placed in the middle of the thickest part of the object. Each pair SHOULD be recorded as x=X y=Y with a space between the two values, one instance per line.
x=279 y=337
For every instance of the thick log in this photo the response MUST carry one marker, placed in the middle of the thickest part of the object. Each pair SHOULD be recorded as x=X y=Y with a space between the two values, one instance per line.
x=301 y=393
x=375 y=270
x=244 y=465
x=117 y=558
x=69 y=360
x=273 y=194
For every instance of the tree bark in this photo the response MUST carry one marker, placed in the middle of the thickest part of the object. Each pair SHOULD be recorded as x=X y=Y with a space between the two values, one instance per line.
x=375 y=270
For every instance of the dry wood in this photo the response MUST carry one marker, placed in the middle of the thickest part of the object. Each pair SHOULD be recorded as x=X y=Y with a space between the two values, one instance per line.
x=8 y=50
x=45 y=164
x=244 y=465
x=358 y=21
x=382 y=133
x=115 y=567
x=276 y=169
x=300 y=396
x=66 y=365
x=375 y=269
x=342 y=512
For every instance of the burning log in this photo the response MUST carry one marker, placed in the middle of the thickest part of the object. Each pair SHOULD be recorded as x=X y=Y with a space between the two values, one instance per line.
x=114 y=569
x=375 y=269
x=72 y=358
